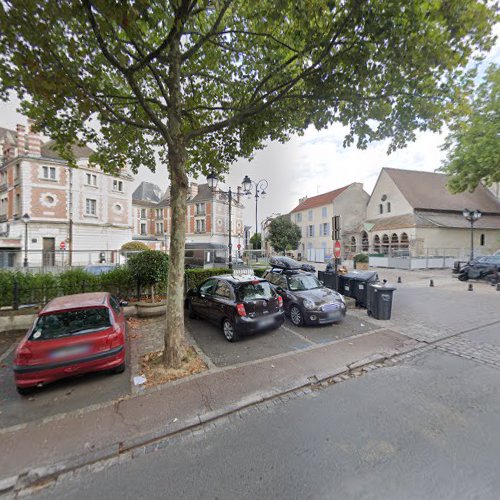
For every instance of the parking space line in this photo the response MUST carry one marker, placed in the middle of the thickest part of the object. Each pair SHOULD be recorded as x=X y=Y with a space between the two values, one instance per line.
x=305 y=339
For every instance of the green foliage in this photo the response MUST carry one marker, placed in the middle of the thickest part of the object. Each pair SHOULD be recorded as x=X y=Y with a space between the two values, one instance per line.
x=473 y=144
x=149 y=268
x=256 y=241
x=78 y=281
x=361 y=257
x=259 y=271
x=284 y=234
x=195 y=277
x=134 y=246
x=119 y=282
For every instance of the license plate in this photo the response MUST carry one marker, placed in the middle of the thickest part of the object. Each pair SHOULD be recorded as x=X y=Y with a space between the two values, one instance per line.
x=70 y=352
x=266 y=321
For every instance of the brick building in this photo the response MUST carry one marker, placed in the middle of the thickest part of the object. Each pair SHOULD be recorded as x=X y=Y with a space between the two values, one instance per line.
x=84 y=209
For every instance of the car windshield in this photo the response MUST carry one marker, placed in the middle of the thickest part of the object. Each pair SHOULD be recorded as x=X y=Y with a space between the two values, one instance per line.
x=67 y=323
x=259 y=290
x=303 y=282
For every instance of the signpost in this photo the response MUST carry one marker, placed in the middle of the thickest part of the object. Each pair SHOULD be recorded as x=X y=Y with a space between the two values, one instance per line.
x=62 y=246
x=336 y=237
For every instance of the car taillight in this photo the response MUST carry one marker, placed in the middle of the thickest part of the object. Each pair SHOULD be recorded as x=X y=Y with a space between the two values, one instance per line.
x=23 y=355
x=280 y=301
x=114 y=339
x=240 y=309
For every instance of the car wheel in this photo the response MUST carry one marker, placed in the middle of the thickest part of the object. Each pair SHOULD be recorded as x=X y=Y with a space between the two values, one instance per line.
x=191 y=313
x=118 y=369
x=25 y=391
x=229 y=331
x=296 y=316
x=463 y=277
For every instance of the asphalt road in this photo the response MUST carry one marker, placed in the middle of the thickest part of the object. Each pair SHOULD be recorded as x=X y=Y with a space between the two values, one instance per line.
x=426 y=428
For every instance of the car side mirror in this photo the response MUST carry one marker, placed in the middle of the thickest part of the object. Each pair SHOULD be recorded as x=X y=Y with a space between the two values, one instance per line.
x=123 y=303
x=279 y=289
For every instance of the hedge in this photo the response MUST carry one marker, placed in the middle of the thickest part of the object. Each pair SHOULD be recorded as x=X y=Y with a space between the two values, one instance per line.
x=361 y=257
x=259 y=271
x=195 y=277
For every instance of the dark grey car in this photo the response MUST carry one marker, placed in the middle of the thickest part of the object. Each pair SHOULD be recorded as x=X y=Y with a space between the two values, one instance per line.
x=305 y=298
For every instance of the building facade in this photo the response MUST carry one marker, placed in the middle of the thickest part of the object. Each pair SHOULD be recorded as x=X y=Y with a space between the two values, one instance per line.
x=314 y=217
x=52 y=214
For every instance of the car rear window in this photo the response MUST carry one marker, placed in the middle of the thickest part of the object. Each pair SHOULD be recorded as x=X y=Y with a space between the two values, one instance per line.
x=68 y=323
x=255 y=291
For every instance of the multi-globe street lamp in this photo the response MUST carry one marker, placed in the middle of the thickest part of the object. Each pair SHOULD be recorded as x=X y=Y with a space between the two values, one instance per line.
x=260 y=191
x=472 y=216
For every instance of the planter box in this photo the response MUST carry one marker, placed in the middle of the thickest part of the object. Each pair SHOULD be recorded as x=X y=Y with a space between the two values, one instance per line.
x=361 y=266
x=151 y=309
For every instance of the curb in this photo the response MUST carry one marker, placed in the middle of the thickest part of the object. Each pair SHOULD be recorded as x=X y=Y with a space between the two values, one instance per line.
x=43 y=476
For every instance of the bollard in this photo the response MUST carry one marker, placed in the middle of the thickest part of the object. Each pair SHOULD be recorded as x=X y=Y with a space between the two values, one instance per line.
x=431 y=283
x=498 y=287
x=470 y=289
x=399 y=279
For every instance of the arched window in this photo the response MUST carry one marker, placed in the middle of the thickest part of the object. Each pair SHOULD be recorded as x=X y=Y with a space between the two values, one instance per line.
x=365 y=244
x=404 y=242
x=353 y=244
x=376 y=243
x=394 y=241
x=481 y=240
x=385 y=244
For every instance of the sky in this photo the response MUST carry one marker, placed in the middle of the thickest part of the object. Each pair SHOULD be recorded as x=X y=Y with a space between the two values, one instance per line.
x=307 y=165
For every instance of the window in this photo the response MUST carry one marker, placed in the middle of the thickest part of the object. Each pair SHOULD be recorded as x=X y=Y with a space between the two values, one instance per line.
x=143 y=228
x=324 y=212
x=256 y=291
x=17 y=208
x=17 y=172
x=115 y=304
x=298 y=217
x=324 y=229
x=388 y=206
x=159 y=213
x=90 y=207
x=3 y=178
x=381 y=209
x=3 y=206
x=118 y=186
x=310 y=215
x=91 y=180
x=223 y=290
x=143 y=213
x=49 y=173
x=310 y=230
x=200 y=226
x=159 y=228
x=208 y=286
x=481 y=240
x=200 y=209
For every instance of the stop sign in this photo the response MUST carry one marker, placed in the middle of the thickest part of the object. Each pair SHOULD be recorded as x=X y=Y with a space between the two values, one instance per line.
x=238 y=246
x=62 y=245
x=336 y=249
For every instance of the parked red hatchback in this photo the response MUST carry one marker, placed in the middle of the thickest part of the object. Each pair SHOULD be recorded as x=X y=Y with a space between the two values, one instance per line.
x=72 y=335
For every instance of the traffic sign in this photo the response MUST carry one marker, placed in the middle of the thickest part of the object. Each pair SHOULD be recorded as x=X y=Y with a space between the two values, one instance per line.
x=62 y=245
x=238 y=246
x=336 y=249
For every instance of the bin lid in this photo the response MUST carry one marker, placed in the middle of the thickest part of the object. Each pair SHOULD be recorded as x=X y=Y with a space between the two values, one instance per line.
x=382 y=288
x=362 y=275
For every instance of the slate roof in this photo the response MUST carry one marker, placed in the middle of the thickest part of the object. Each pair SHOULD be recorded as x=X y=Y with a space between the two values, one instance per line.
x=319 y=200
x=428 y=191
x=4 y=132
x=148 y=192
x=48 y=151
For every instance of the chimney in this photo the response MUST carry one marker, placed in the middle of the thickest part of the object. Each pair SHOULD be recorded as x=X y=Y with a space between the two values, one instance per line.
x=21 y=140
x=238 y=194
x=34 y=141
x=301 y=200
x=193 y=189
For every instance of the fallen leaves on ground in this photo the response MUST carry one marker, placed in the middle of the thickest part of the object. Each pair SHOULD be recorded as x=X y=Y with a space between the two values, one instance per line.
x=154 y=371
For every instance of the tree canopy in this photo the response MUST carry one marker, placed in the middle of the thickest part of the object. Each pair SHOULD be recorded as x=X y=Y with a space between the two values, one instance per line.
x=201 y=83
x=284 y=234
x=473 y=144
x=256 y=241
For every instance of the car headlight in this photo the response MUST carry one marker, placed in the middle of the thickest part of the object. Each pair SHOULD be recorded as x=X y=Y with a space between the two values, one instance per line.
x=340 y=297
x=309 y=304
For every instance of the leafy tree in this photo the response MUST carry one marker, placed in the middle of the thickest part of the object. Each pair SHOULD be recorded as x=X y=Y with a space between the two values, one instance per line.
x=134 y=246
x=256 y=241
x=284 y=234
x=200 y=84
x=149 y=268
x=473 y=144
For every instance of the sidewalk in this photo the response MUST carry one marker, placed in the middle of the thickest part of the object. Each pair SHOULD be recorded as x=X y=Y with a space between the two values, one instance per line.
x=75 y=439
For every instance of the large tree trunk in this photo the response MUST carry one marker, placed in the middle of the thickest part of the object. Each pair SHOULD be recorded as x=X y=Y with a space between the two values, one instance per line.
x=175 y=348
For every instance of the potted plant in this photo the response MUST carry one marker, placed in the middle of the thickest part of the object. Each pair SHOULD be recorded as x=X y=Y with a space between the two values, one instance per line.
x=150 y=268
x=361 y=261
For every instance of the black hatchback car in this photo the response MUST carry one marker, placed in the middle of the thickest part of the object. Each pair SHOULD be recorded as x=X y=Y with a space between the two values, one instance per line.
x=238 y=304
x=306 y=299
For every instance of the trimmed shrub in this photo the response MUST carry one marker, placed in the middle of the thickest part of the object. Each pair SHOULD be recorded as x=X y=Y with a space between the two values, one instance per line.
x=134 y=246
x=259 y=271
x=149 y=269
x=119 y=282
x=361 y=257
x=78 y=281
x=195 y=277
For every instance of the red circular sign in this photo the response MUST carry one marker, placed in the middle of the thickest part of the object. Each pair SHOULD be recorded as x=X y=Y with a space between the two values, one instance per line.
x=238 y=246
x=62 y=245
x=336 y=249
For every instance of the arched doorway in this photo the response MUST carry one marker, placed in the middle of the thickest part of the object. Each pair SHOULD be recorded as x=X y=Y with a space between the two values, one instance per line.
x=385 y=244
x=353 y=244
x=404 y=241
x=365 y=244
x=394 y=242
x=376 y=243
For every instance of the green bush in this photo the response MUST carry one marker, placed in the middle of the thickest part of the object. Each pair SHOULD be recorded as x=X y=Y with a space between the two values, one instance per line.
x=195 y=277
x=259 y=271
x=78 y=281
x=361 y=257
x=119 y=282
x=149 y=268
x=134 y=246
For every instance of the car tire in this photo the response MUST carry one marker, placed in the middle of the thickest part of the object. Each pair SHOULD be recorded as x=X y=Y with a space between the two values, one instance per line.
x=25 y=391
x=296 y=316
x=118 y=369
x=463 y=277
x=228 y=330
x=191 y=313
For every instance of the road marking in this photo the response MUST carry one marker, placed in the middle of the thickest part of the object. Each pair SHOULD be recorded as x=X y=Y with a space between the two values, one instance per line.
x=7 y=352
x=305 y=339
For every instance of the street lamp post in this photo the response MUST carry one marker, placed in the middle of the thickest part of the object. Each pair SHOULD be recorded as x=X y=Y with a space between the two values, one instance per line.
x=472 y=216
x=26 y=219
x=212 y=184
x=260 y=191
